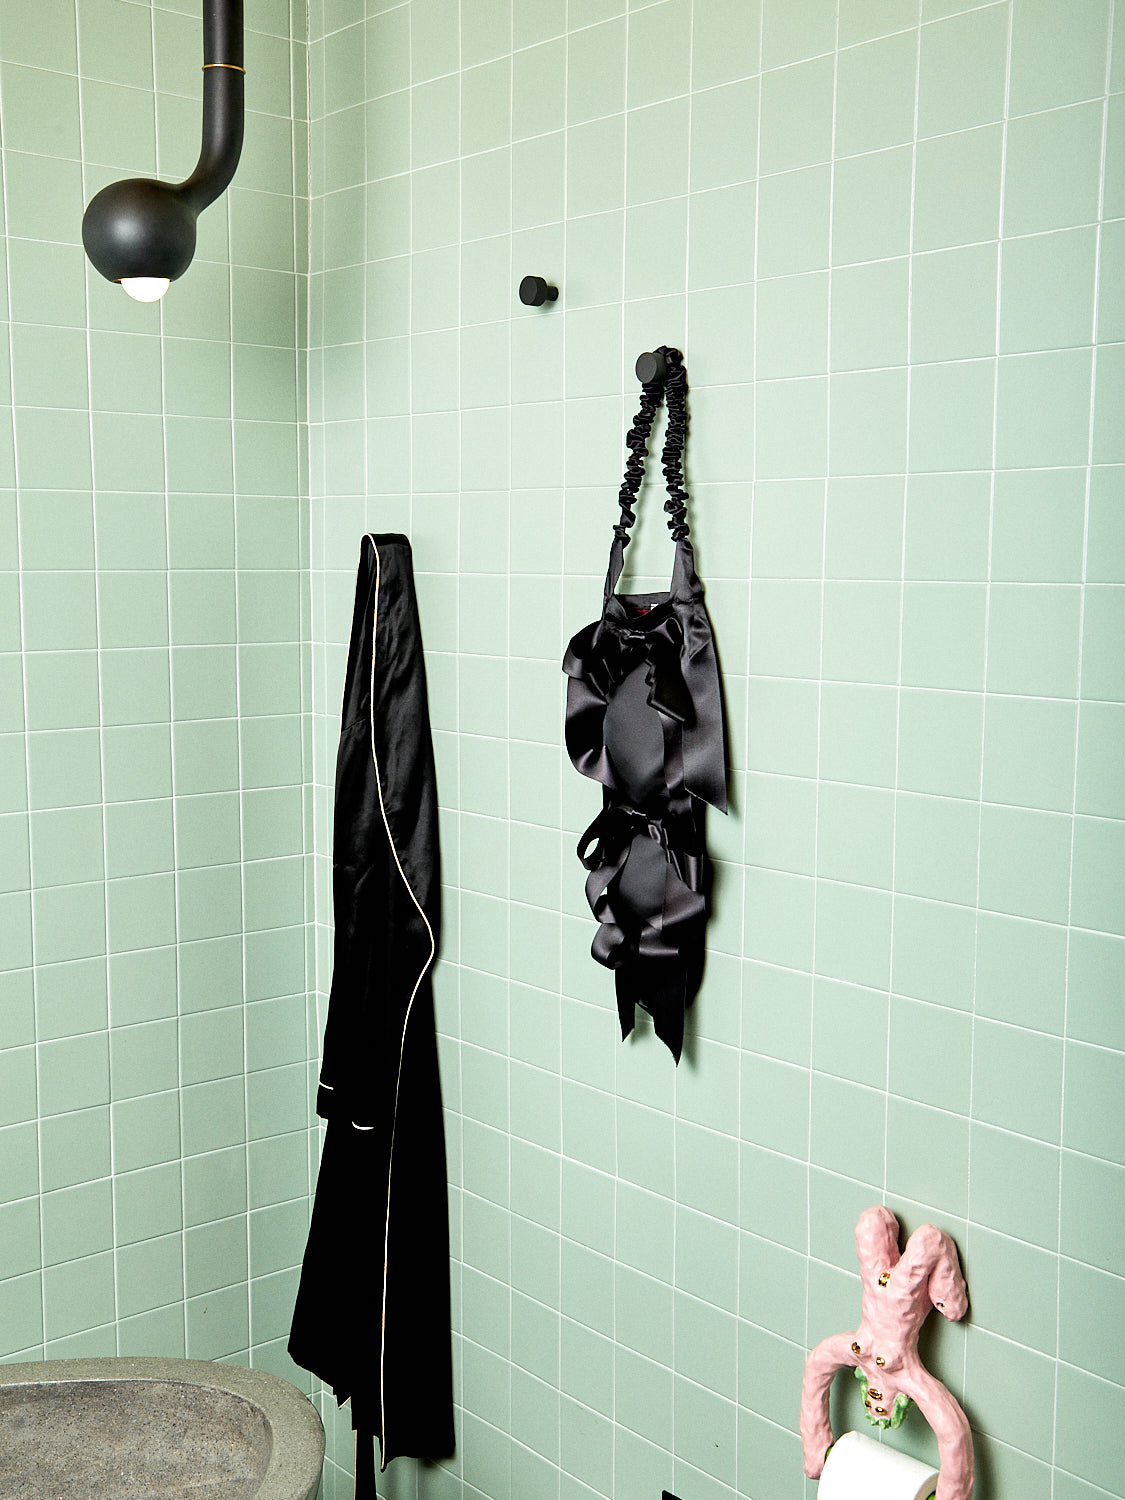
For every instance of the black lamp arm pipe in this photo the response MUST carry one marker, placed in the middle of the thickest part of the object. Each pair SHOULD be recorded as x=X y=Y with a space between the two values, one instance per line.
x=144 y=228
x=224 y=103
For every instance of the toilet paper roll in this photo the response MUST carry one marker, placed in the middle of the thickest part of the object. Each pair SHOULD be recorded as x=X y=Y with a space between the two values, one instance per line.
x=858 y=1468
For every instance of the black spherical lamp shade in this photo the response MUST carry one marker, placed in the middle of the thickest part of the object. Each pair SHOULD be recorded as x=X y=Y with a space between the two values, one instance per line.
x=141 y=233
x=139 y=228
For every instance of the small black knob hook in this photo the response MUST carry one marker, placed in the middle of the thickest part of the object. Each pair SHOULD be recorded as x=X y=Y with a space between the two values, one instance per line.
x=534 y=291
x=651 y=366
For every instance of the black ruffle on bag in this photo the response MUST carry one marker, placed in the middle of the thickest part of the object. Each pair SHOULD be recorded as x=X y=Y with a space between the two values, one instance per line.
x=644 y=717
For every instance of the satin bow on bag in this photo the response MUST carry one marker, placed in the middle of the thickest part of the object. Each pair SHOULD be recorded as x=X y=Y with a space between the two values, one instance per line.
x=644 y=719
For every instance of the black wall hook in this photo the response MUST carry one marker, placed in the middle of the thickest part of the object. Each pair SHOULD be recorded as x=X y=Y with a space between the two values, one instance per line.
x=651 y=366
x=534 y=291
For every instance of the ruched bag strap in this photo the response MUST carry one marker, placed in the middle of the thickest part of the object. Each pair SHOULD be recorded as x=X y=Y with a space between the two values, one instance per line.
x=672 y=388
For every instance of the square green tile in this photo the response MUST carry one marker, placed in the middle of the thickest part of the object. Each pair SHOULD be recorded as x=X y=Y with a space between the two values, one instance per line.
x=58 y=611
x=129 y=451
x=1038 y=526
x=43 y=195
x=957 y=192
x=19 y=1077
x=1093 y=1083
x=138 y=762
x=62 y=689
x=1033 y=640
x=1100 y=786
x=150 y=1275
x=861 y=631
x=794 y=211
x=871 y=206
x=124 y=371
x=210 y=902
x=850 y=1033
x=15 y=858
x=843 y=1111
x=49 y=365
x=788 y=34
x=1014 y=1185
x=1090 y=1308
x=719 y=155
x=1089 y=1220
x=74 y=1148
x=21 y=1163
x=867 y=430
x=130 y=531
x=56 y=530
x=1051 y=169
x=858 y=728
x=67 y=846
x=69 y=922
x=203 y=682
x=854 y=834
x=211 y=1045
x=781 y=819
x=951 y=416
x=788 y=529
x=1111 y=294
x=141 y=912
x=1058 y=56
x=792 y=428
x=139 y=838
x=1015 y=1288
x=146 y=1131
x=796 y=115
x=207 y=830
x=596 y=61
x=928 y=1156
x=875 y=94
x=1004 y=1059
x=13 y=773
x=936 y=841
x=853 y=934
x=143 y=1059
x=118 y=127
x=953 y=304
x=1048 y=291
x=78 y=1295
x=934 y=952
x=142 y=986
x=1025 y=863
x=269 y=679
x=859 y=341
x=74 y=1073
x=1029 y=753
x=135 y=688
x=1099 y=857
x=791 y=320
x=1022 y=973
x=132 y=609
x=962 y=72
x=943 y=635
x=1043 y=409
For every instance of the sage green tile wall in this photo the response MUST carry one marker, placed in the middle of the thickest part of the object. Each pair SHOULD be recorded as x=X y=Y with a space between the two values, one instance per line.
x=153 y=1115
x=888 y=234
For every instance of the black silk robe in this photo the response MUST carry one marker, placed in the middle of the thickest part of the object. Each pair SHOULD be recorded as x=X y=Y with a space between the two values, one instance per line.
x=372 y=1313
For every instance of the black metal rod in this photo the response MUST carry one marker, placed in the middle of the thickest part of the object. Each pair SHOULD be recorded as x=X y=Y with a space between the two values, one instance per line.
x=224 y=103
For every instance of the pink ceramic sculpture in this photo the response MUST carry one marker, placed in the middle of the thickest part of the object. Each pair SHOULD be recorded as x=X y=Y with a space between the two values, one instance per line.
x=898 y=1292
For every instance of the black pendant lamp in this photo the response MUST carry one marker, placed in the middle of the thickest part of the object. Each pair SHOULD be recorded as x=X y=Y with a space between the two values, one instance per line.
x=141 y=233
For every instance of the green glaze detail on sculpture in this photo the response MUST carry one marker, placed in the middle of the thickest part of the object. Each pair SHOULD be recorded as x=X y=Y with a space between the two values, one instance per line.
x=897 y=1416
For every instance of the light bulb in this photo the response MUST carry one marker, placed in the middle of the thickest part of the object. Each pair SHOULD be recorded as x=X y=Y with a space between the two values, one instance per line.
x=145 y=288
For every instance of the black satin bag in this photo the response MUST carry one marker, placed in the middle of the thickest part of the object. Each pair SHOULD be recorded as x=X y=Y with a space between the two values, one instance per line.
x=372 y=1316
x=644 y=717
